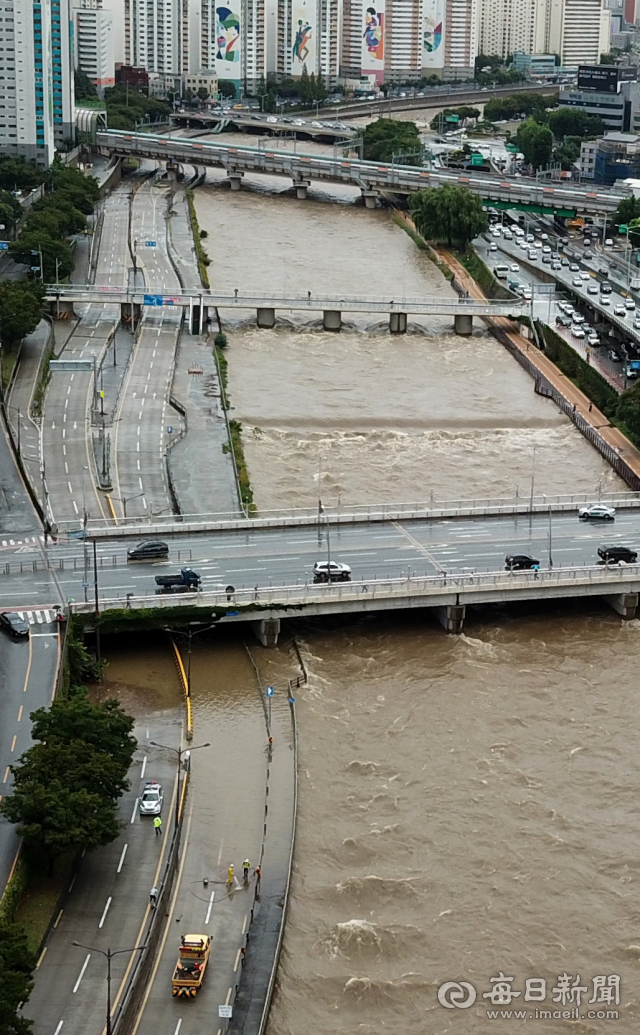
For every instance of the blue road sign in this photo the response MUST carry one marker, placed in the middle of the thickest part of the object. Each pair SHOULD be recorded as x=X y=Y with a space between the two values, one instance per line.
x=35 y=268
x=152 y=299
x=3 y=246
x=150 y=244
x=169 y=430
x=270 y=691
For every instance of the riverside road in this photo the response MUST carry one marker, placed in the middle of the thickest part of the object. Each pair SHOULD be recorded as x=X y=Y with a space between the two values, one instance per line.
x=264 y=557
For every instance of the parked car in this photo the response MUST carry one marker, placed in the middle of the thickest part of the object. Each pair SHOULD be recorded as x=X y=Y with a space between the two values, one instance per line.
x=148 y=550
x=593 y=340
x=577 y=331
x=325 y=571
x=597 y=512
x=617 y=555
x=13 y=624
x=520 y=562
x=151 y=799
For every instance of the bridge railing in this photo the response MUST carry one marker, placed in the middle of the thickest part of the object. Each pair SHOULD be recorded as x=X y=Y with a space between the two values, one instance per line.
x=252 y=601
x=335 y=514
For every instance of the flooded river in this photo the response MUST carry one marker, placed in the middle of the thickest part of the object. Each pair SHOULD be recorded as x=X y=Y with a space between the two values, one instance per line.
x=467 y=804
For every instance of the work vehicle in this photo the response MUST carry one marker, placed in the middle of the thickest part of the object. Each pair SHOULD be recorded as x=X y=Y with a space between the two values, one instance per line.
x=191 y=965
x=148 y=550
x=151 y=799
x=633 y=369
x=617 y=555
x=184 y=581
x=325 y=571
x=13 y=624
x=520 y=562
x=597 y=512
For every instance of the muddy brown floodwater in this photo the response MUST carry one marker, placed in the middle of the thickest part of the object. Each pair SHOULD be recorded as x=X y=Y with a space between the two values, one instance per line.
x=468 y=805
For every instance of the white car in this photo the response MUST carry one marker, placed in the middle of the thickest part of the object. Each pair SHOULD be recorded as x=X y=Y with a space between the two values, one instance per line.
x=537 y=244
x=593 y=289
x=608 y=243
x=271 y=118
x=597 y=511
x=529 y=238
x=636 y=323
x=577 y=331
x=152 y=798
x=577 y=281
x=619 y=310
x=325 y=571
x=630 y=305
x=493 y=247
x=605 y=300
x=514 y=267
x=577 y=318
x=585 y=275
x=544 y=237
x=495 y=233
x=546 y=250
x=527 y=294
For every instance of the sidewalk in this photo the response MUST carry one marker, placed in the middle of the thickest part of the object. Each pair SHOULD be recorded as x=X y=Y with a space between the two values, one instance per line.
x=577 y=399
x=20 y=399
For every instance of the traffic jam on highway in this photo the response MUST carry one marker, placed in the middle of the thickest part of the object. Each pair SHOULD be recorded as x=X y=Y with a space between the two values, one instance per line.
x=593 y=306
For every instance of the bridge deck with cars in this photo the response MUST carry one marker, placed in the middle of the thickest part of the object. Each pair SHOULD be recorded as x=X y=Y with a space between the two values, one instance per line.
x=371 y=177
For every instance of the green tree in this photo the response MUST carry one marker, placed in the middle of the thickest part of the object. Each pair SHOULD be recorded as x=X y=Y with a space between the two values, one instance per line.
x=535 y=142
x=104 y=726
x=628 y=410
x=321 y=87
x=17 y=174
x=203 y=94
x=16 y=967
x=568 y=152
x=227 y=89
x=634 y=232
x=55 y=215
x=388 y=137
x=627 y=211
x=574 y=122
x=40 y=241
x=304 y=88
x=269 y=103
x=450 y=213
x=20 y=311
x=84 y=88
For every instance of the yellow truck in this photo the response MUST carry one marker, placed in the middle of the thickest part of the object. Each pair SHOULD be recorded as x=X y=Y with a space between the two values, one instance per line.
x=191 y=965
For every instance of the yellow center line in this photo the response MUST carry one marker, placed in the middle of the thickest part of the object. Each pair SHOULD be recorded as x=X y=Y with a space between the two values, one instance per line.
x=160 y=949
x=26 y=678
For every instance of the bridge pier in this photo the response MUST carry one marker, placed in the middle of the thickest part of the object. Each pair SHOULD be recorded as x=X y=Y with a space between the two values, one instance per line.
x=235 y=179
x=301 y=186
x=266 y=318
x=267 y=631
x=370 y=197
x=463 y=324
x=61 y=310
x=624 y=603
x=172 y=171
x=397 y=323
x=332 y=319
x=451 y=617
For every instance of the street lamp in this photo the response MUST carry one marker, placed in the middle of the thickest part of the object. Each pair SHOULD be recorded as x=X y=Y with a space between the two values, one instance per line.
x=109 y=956
x=190 y=633
x=127 y=499
x=179 y=752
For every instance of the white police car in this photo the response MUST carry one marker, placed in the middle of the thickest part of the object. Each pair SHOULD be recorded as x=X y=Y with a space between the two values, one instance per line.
x=151 y=799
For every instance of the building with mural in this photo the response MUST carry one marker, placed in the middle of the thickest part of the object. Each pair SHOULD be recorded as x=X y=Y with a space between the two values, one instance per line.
x=309 y=36
x=233 y=41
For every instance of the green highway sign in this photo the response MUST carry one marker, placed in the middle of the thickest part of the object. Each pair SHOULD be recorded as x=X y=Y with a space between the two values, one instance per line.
x=477 y=159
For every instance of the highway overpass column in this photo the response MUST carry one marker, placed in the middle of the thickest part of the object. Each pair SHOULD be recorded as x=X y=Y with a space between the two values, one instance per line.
x=398 y=323
x=266 y=318
x=624 y=603
x=451 y=617
x=267 y=631
x=172 y=171
x=301 y=187
x=463 y=323
x=235 y=179
x=332 y=319
x=370 y=197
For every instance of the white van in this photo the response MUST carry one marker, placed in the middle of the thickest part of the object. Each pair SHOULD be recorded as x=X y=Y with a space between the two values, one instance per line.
x=501 y=272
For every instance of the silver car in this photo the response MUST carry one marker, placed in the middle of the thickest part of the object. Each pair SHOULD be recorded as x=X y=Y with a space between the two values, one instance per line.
x=325 y=571
x=597 y=512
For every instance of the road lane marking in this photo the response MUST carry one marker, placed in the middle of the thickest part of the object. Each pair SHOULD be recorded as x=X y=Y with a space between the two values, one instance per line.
x=40 y=959
x=178 y=1026
x=56 y=1032
x=20 y=713
x=73 y=882
x=6 y=775
x=104 y=915
x=135 y=810
x=226 y=1002
x=244 y=924
x=84 y=967
x=13 y=742
x=235 y=965
x=58 y=918
x=208 y=916
x=124 y=852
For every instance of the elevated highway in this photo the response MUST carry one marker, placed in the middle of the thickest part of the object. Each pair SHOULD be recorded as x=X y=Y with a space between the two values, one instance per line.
x=371 y=177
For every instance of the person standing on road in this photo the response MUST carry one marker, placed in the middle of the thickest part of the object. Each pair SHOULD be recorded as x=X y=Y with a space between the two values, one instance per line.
x=245 y=870
x=153 y=897
x=157 y=824
x=230 y=874
x=258 y=878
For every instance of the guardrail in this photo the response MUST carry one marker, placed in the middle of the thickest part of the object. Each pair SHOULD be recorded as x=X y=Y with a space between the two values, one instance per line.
x=429 y=510
x=247 y=604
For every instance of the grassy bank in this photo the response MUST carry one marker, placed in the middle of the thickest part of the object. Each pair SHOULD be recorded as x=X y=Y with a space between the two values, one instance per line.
x=203 y=258
x=481 y=273
x=246 y=492
x=583 y=375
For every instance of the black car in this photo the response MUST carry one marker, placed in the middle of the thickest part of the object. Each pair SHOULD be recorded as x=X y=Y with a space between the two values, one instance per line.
x=605 y=288
x=617 y=555
x=14 y=625
x=148 y=550
x=563 y=321
x=520 y=562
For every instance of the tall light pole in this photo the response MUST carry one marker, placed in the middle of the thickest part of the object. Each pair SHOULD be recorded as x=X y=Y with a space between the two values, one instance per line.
x=190 y=633
x=179 y=752
x=127 y=499
x=109 y=954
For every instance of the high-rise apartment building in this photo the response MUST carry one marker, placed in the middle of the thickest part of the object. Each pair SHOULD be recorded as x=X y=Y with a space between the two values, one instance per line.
x=93 y=38
x=233 y=41
x=507 y=26
x=460 y=38
x=153 y=35
x=578 y=30
x=64 y=115
x=26 y=113
x=309 y=35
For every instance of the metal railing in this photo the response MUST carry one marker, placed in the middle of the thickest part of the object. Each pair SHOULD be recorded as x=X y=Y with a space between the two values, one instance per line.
x=253 y=602
x=431 y=509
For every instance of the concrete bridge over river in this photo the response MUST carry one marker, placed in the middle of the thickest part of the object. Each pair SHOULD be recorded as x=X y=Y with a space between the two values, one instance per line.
x=265 y=306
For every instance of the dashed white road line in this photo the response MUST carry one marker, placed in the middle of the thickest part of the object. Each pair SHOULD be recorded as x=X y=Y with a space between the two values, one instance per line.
x=104 y=914
x=135 y=811
x=81 y=975
x=124 y=852
x=60 y=1023
x=209 y=908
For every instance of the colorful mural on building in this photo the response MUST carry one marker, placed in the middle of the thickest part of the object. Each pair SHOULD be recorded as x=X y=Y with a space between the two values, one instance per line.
x=303 y=43
x=372 y=59
x=432 y=34
x=228 y=44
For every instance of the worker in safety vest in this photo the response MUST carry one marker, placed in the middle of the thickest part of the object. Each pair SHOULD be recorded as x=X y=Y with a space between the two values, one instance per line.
x=230 y=874
x=157 y=823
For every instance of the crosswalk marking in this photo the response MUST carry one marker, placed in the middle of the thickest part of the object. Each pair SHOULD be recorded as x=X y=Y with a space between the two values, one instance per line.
x=23 y=542
x=43 y=617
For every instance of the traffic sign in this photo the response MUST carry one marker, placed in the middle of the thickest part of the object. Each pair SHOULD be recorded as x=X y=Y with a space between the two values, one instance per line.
x=169 y=429
x=71 y=364
x=152 y=299
x=225 y=1010
x=270 y=691
x=3 y=246
x=150 y=244
x=623 y=228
